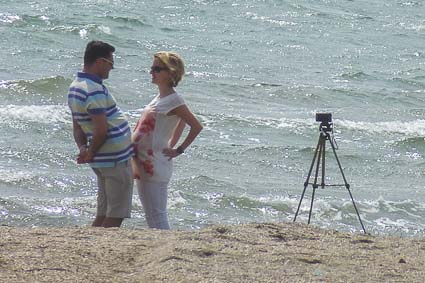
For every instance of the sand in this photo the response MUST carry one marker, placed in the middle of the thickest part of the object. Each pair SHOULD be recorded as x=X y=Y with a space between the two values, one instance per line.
x=267 y=252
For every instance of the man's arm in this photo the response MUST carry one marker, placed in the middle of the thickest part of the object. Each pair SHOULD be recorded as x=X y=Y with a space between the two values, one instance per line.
x=100 y=130
x=79 y=136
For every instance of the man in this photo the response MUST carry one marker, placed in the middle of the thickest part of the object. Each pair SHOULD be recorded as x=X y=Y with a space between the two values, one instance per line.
x=102 y=135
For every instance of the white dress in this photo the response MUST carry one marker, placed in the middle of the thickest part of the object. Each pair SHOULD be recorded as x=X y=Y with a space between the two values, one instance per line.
x=152 y=134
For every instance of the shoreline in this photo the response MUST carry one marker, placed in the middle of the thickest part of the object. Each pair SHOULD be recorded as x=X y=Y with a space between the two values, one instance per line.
x=256 y=252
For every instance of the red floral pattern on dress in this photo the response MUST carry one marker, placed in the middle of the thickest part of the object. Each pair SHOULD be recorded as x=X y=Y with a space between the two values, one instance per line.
x=147 y=125
x=147 y=166
x=144 y=126
x=142 y=139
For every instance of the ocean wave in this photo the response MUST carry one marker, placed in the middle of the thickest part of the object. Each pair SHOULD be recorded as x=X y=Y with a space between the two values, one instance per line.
x=396 y=217
x=211 y=122
x=416 y=27
x=9 y=176
x=25 y=20
x=411 y=142
x=263 y=84
x=9 y=18
x=335 y=12
x=201 y=181
x=56 y=211
x=204 y=74
x=225 y=203
x=408 y=128
x=381 y=216
x=22 y=211
x=84 y=31
x=270 y=20
x=355 y=75
x=417 y=82
x=47 y=85
x=169 y=29
x=409 y=3
x=127 y=20
x=44 y=114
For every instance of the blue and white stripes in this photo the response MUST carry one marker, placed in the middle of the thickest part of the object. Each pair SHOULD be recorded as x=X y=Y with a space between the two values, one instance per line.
x=87 y=96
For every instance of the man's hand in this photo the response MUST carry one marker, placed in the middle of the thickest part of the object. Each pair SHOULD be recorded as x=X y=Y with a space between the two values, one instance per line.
x=85 y=155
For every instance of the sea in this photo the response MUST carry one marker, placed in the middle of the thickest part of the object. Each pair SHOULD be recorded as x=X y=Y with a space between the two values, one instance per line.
x=258 y=71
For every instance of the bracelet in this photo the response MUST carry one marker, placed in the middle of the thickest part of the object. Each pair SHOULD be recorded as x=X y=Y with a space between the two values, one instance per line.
x=180 y=150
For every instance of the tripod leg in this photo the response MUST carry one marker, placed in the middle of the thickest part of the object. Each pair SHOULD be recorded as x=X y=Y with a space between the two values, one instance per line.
x=345 y=182
x=323 y=161
x=315 y=186
x=311 y=205
x=355 y=207
x=308 y=178
x=337 y=159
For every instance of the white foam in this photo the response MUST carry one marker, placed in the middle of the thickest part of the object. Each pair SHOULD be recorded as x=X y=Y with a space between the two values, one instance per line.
x=196 y=74
x=408 y=128
x=176 y=199
x=46 y=19
x=105 y=29
x=411 y=128
x=7 y=84
x=416 y=27
x=45 y=114
x=77 y=206
x=386 y=222
x=7 y=18
x=13 y=176
x=265 y=19
x=83 y=33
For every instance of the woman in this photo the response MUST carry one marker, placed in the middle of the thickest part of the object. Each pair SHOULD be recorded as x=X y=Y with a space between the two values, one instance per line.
x=156 y=135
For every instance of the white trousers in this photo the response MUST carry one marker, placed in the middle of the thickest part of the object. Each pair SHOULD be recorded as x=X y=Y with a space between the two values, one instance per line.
x=153 y=196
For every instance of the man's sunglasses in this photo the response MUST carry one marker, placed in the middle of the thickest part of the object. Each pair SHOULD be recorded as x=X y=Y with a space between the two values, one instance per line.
x=158 y=69
x=109 y=61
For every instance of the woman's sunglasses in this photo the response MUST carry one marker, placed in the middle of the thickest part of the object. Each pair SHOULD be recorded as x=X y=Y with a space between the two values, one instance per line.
x=158 y=69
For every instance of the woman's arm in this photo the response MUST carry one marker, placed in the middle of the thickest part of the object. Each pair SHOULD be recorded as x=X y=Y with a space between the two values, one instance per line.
x=184 y=113
x=178 y=130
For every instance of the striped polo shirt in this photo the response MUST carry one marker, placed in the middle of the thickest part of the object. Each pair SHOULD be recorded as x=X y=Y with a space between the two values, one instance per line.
x=87 y=95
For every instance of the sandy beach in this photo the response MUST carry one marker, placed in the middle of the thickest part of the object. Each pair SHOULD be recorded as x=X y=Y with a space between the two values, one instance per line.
x=267 y=252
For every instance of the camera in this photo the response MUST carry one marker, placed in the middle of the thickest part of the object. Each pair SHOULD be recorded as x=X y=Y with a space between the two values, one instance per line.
x=324 y=117
x=325 y=120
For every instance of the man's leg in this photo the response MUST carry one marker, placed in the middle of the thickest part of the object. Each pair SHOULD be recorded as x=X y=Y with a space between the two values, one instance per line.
x=112 y=222
x=119 y=193
x=101 y=199
x=98 y=221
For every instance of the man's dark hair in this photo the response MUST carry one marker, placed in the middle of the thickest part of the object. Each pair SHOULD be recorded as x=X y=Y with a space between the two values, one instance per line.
x=97 y=49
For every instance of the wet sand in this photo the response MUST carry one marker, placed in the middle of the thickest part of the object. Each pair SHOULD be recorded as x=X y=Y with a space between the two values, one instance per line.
x=267 y=252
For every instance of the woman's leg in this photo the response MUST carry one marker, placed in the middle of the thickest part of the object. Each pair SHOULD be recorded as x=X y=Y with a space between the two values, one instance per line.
x=153 y=196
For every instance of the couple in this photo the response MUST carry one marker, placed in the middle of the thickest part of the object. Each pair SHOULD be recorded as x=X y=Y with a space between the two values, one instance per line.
x=104 y=138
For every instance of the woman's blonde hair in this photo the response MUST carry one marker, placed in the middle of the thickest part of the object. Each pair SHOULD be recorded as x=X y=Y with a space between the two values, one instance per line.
x=174 y=63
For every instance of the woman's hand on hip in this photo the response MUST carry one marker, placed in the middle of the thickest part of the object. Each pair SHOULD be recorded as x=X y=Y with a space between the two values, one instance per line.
x=170 y=153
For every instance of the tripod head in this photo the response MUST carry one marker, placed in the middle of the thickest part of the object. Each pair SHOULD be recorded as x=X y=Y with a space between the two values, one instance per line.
x=326 y=125
x=326 y=128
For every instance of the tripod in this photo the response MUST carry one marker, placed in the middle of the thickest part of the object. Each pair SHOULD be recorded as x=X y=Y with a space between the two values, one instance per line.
x=320 y=155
